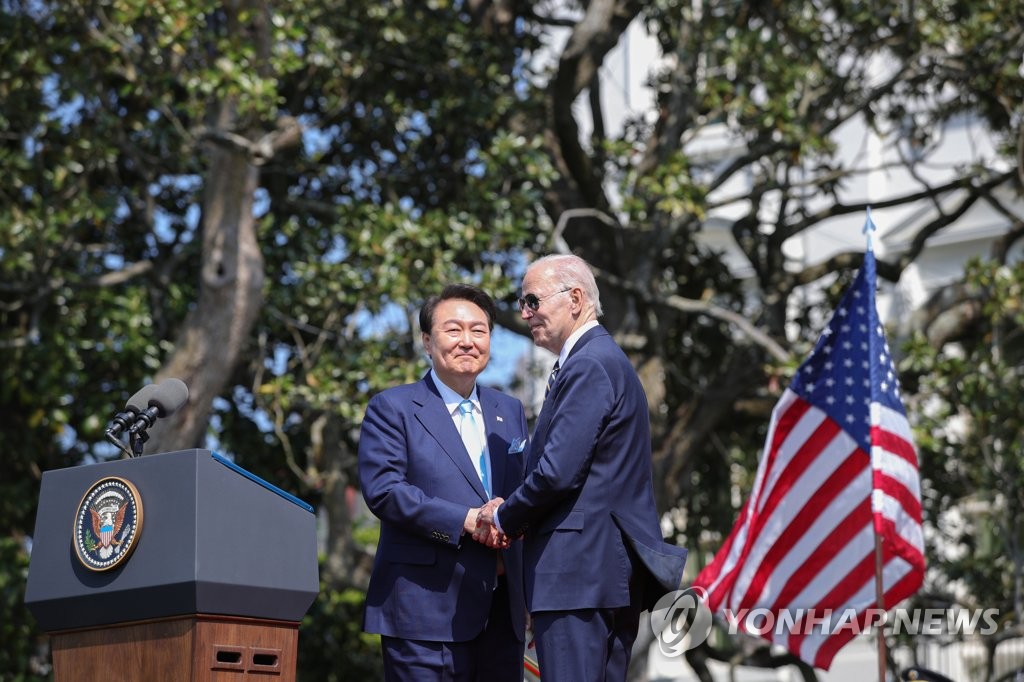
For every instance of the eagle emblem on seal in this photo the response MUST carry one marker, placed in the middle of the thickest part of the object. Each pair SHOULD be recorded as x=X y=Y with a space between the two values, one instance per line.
x=107 y=524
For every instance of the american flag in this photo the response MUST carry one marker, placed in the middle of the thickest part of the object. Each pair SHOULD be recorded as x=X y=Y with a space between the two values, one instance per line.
x=839 y=466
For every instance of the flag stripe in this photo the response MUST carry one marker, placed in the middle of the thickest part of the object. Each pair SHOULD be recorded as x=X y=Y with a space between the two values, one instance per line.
x=847 y=586
x=895 y=501
x=813 y=647
x=736 y=538
x=839 y=548
x=808 y=431
x=906 y=546
x=893 y=421
x=897 y=470
x=828 y=647
x=770 y=525
x=830 y=588
x=801 y=525
x=894 y=445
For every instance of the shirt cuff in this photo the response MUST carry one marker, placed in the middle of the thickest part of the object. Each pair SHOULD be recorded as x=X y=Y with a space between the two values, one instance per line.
x=497 y=523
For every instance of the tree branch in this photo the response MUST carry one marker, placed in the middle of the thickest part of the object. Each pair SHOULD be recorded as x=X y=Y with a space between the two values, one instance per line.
x=685 y=305
x=592 y=38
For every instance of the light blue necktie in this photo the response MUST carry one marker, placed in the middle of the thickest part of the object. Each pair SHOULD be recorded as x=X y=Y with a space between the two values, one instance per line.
x=471 y=437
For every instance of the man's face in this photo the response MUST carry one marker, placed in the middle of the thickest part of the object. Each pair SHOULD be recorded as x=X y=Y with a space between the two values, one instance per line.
x=552 y=322
x=459 y=342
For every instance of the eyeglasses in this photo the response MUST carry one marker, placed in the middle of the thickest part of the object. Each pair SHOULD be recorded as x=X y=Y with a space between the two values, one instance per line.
x=532 y=301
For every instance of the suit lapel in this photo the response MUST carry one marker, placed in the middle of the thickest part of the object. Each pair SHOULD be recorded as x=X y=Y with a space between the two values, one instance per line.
x=433 y=415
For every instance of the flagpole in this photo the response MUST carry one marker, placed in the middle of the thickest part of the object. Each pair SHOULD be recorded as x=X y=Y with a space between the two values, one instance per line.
x=880 y=598
x=869 y=226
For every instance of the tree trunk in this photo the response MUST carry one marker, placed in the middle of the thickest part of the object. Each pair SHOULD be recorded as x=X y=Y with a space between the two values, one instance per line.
x=675 y=443
x=345 y=564
x=230 y=295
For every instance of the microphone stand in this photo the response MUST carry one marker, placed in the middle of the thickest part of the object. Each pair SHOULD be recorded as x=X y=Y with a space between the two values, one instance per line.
x=138 y=440
x=120 y=446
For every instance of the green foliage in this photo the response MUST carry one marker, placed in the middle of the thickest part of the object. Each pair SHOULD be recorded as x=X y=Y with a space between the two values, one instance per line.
x=19 y=657
x=332 y=645
x=969 y=435
x=407 y=176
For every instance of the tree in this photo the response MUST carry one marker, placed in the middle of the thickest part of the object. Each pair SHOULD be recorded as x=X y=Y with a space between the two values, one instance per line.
x=237 y=196
x=780 y=82
x=969 y=436
x=255 y=197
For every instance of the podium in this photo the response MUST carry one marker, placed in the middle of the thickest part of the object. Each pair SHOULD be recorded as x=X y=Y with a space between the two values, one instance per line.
x=174 y=566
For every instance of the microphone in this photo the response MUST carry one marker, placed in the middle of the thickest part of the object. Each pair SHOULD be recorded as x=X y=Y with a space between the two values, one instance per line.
x=123 y=421
x=165 y=400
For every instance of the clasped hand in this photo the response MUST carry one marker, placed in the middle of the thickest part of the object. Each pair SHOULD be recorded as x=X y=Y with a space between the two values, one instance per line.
x=484 y=531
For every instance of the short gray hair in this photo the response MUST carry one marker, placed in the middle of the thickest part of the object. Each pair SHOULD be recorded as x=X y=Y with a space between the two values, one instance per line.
x=571 y=271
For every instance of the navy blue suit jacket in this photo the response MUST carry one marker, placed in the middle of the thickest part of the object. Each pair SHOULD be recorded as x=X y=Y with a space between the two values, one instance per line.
x=430 y=581
x=586 y=508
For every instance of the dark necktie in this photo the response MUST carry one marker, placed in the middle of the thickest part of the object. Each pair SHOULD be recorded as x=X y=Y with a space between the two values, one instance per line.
x=551 y=379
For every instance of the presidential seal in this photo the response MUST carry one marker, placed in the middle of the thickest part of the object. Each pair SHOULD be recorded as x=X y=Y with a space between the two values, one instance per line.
x=108 y=524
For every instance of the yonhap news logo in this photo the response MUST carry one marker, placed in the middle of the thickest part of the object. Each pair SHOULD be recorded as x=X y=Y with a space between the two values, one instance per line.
x=827 y=622
x=681 y=620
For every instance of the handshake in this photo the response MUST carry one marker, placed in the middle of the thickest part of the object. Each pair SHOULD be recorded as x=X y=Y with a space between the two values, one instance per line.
x=480 y=523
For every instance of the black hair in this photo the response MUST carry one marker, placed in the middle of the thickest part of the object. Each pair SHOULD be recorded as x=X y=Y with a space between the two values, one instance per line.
x=466 y=292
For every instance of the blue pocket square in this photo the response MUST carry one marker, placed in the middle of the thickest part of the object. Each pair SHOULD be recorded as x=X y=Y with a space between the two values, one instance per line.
x=517 y=446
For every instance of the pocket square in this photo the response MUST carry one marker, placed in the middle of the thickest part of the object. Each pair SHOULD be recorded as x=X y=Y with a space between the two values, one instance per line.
x=517 y=446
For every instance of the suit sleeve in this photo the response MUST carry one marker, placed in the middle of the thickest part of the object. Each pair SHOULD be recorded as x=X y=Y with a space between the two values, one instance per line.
x=580 y=413
x=384 y=451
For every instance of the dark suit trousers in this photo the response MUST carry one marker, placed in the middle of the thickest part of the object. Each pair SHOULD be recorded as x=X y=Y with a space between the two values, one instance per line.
x=586 y=645
x=495 y=654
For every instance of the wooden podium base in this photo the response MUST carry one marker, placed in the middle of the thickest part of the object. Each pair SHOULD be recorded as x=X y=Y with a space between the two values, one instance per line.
x=195 y=648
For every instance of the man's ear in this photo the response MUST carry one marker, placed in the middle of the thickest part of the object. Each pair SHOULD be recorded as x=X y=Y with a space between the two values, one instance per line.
x=576 y=296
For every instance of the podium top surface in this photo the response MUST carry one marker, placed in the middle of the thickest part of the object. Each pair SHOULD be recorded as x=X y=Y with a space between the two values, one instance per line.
x=256 y=479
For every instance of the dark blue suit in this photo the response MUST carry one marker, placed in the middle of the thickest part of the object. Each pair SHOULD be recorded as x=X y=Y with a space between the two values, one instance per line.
x=591 y=534
x=430 y=581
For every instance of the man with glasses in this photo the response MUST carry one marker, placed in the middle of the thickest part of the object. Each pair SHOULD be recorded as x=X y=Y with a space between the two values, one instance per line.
x=431 y=453
x=594 y=557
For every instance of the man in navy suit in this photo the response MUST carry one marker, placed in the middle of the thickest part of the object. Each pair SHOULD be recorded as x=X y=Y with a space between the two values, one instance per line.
x=431 y=454
x=593 y=551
